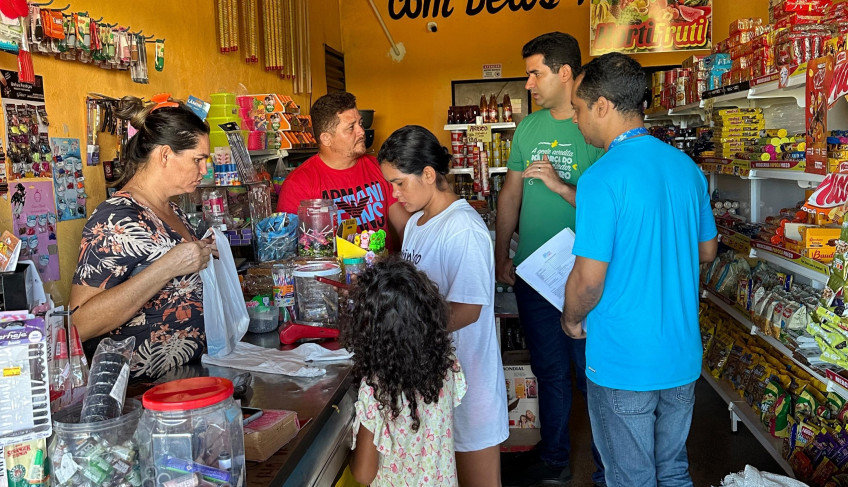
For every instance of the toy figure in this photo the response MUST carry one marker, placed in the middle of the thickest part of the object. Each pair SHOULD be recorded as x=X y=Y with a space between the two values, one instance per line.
x=364 y=239
x=378 y=241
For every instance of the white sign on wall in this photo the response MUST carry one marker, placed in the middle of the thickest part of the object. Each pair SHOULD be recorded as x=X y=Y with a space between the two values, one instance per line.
x=492 y=71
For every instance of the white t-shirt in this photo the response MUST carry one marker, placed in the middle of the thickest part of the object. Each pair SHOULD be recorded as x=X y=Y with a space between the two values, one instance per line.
x=454 y=249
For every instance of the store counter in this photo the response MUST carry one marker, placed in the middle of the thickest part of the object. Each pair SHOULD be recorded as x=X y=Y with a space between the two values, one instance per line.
x=320 y=450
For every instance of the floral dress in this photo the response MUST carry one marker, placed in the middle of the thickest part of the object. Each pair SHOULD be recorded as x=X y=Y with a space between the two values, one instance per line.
x=412 y=458
x=120 y=239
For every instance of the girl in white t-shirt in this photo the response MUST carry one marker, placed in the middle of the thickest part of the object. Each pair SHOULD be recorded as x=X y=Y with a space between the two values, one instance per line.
x=448 y=240
x=410 y=381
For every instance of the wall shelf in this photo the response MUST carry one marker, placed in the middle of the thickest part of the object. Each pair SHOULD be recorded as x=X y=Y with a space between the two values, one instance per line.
x=495 y=126
x=745 y=321
x=741 y=411
x=813 y=270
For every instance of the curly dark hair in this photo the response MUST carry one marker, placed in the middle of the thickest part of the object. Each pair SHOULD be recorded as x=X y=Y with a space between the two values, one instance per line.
x=397 y=329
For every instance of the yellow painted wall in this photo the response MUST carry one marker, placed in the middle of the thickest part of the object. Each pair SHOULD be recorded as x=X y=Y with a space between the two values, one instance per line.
x=417 y=89
x=193 y=66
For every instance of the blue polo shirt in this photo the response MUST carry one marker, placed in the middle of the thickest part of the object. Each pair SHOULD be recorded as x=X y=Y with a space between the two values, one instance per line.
x=643 y=208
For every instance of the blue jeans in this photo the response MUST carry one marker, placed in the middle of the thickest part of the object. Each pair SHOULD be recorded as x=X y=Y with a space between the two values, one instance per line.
x=551 y=355
x=642 y=434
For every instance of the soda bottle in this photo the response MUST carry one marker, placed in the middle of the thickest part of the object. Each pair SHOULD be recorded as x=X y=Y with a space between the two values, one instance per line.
x=507 y=109
x=493 y=109
x=484 y=109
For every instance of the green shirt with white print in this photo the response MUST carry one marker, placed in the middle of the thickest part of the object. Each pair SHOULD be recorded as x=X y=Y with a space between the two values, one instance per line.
x=543 y=212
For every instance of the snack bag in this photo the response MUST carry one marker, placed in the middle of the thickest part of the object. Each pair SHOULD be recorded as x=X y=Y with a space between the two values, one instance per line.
x=835 y=403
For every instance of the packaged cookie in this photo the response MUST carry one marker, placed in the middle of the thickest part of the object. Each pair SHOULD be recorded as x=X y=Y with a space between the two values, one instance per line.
x=771 y=392
x=718 y=354
x=835 y=403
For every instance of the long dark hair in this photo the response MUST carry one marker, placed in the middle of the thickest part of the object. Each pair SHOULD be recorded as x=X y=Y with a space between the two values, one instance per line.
x=177 y=127
x=412 y=148
x=397 y=329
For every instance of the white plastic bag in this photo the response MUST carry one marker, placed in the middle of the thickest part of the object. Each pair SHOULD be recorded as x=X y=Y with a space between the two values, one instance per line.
x=224 y=312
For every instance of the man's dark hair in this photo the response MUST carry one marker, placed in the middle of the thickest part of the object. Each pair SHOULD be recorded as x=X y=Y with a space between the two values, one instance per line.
x=557 y=49
x=616 y=77
x=325 y=111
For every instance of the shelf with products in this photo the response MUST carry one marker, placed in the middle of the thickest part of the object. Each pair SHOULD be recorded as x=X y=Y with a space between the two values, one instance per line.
x=494 y=126
x=470 y=170
x=740 y=411
x=778 y=169
x=815 y=271
x=834 y=382
x=766 y=88
x=735 y=240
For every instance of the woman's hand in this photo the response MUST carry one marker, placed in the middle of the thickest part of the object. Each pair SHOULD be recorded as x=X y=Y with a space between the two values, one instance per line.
x=210 y=240
x=187 y=258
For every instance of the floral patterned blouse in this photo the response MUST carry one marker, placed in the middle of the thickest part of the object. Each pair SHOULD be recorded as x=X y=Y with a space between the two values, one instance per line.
x=412 y=458
x=120 y=239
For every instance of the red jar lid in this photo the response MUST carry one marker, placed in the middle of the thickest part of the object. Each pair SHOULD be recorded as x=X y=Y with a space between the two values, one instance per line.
x=187 y=394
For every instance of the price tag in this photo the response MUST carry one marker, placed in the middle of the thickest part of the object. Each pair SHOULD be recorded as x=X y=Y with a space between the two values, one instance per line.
x=479 y=133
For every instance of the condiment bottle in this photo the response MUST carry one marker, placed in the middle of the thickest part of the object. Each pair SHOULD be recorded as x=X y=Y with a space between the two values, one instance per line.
x=493 y=109
x=507 y=109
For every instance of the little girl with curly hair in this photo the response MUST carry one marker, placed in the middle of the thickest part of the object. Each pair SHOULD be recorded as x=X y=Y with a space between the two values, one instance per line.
x=410 y=379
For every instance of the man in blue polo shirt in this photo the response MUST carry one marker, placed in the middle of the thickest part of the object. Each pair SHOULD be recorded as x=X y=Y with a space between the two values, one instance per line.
x=644 y=223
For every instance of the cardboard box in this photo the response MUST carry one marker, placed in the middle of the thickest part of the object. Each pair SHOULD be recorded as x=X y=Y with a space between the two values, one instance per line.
x=822 y=254
x=269 y=433
x=522 y=395
x=819 y=236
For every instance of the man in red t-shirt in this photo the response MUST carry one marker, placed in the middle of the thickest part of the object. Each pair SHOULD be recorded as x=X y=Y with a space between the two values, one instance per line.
x=342 y=172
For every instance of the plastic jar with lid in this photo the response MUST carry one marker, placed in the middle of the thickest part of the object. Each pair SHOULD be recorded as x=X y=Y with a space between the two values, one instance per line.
x=353 y=266
x=187 y=427
x=317 y=302
x=316 y=235
x=89 y=454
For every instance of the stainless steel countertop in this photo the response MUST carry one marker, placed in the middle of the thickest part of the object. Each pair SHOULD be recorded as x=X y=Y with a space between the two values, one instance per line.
x=312 y=398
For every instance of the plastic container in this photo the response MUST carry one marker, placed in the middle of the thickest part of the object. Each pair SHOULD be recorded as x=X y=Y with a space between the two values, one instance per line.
x=217 y=137
x=263 y=319
x=316 y=235
x=245 y=102
x=188 y=426
x=95 y=451
x=217 y=121
x=227 y=111
x=353 y=266
x=223 y=98
x=317 y=302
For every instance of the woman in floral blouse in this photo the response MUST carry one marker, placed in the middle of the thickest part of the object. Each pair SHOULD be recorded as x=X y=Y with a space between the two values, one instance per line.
x=139 y=258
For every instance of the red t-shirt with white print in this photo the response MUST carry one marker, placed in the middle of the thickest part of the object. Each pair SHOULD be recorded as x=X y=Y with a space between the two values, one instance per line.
x=360 y=192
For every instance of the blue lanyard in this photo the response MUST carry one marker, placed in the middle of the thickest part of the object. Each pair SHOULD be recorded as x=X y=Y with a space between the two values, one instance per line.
x=626 y=135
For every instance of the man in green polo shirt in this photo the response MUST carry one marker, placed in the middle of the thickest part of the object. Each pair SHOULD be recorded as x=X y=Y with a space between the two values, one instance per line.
x=548 y=156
